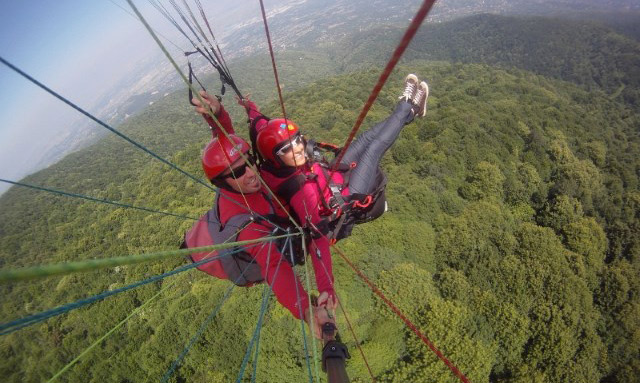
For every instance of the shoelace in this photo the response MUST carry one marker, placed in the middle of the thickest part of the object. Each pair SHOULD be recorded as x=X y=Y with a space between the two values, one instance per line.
x=408 y=91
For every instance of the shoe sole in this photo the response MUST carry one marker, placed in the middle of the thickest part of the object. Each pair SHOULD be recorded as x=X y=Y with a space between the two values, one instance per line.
x=423 y=107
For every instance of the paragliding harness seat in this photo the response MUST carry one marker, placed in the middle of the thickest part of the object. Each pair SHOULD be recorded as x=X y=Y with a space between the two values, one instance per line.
x=341 y=212
x=237 y=266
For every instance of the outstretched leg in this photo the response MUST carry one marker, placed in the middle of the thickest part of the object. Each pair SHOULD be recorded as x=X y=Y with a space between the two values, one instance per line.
x=372 y=145
x=367 y=150
x=360 y=144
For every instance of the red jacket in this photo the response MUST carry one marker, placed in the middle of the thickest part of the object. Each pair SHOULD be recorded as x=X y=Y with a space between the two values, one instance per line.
x=307 y=203
x=223 y=118
x=285 y=285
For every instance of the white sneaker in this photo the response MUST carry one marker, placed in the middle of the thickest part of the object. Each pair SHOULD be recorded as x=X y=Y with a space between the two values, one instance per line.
x=410 y=85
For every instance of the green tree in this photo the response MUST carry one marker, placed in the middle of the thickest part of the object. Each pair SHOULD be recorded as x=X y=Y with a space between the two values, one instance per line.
x=485 y=181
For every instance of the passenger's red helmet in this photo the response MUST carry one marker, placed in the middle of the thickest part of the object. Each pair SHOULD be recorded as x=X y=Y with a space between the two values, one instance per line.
x=220 y=153
x=273 y=136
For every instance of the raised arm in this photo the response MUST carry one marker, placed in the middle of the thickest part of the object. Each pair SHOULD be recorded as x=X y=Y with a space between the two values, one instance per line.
x=256 y=119
x=213 y=104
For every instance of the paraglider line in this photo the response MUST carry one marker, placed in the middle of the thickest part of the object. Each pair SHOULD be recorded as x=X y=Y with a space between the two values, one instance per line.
x=105 y=336
x=404 y=42
x=15 y=325
x=256 y=333
x=409 y=324
x=186 y=81
x=353 y=333
x=273 y=59
x=94 y=199
x=101 y=123
x=95 y=264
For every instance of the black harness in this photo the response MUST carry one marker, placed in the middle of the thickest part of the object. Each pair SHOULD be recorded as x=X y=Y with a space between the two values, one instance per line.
x=238 y=265
x=341 y=212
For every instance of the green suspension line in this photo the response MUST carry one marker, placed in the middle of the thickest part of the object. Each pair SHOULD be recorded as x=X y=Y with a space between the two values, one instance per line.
x=94 y=264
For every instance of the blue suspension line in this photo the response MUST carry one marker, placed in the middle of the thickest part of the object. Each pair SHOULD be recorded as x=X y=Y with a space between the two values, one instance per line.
x=103 y=124
x=256 y=333
x=94 y=199
x=123 y=136
x=265 y=302
x=18 y=324
x=176 y=363
x=304 y=336
x=255 y=361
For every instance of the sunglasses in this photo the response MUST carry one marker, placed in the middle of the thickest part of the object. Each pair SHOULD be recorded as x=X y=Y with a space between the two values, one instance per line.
x=286 y=148
x=240 y=170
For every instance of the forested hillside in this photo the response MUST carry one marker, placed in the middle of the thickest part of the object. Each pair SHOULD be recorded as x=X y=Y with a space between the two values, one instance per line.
x=582 y=52
x=512 y=238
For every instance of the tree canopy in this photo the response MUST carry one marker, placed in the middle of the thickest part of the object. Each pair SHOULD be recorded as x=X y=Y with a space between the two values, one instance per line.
x=511 y=240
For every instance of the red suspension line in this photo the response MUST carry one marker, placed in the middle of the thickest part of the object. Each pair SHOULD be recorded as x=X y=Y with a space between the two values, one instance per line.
x=406 y=39
x=353 y=333
x=273 y=59
x=409 y=324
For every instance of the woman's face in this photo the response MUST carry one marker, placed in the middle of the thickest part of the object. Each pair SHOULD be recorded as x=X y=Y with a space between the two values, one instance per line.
x=292 y=154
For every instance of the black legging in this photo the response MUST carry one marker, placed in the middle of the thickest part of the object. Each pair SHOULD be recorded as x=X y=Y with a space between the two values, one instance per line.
x=367 y=150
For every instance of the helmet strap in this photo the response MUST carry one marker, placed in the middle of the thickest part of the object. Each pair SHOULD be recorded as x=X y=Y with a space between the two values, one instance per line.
x=279 y=162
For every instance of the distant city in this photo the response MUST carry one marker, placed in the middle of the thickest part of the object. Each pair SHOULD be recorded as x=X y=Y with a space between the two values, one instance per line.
x=294 y=25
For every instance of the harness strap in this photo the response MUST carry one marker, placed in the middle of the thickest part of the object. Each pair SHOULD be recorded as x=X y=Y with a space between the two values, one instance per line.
x=320 y=229
x=337 y=200
x=192 y=76
x=364 y=204
x=336 y=229
x=335 y=149
x=338 y=207
x=290 y=187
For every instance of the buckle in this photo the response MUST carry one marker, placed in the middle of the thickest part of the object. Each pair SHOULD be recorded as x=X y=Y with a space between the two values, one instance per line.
x=367 y=201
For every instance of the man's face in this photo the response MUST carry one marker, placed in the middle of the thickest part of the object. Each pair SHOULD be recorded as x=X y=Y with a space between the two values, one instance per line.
x=242 y=177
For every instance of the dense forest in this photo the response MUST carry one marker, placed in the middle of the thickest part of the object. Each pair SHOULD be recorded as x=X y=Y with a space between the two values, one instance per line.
x=512 y=238
x=583 y=52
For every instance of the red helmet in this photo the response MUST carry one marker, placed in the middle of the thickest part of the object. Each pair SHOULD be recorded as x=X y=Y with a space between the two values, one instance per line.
x=220 y=153
x=277 y=132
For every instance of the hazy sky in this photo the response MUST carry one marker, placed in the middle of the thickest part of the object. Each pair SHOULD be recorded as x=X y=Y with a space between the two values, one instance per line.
x=78 y=48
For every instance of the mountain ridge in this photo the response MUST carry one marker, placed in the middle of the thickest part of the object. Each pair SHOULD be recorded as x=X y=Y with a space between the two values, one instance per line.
x=519 y=42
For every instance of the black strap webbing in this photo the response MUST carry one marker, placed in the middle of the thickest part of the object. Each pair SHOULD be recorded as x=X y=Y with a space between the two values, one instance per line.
x=290 y=187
